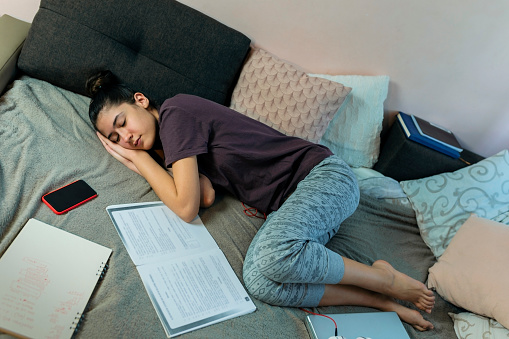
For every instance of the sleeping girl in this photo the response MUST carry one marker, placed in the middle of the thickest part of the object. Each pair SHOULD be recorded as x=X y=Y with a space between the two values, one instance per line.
x=304 y=189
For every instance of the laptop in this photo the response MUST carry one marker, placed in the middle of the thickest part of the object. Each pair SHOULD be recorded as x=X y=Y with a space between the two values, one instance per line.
x=374 y=325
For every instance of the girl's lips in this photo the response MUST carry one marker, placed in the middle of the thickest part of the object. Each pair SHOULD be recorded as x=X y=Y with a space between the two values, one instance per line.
x=137 y=142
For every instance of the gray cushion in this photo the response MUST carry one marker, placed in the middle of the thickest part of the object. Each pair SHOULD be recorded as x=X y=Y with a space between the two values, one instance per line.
x=160 y=47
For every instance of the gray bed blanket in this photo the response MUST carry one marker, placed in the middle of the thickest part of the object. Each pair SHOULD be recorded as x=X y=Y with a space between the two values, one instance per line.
x=47 y=142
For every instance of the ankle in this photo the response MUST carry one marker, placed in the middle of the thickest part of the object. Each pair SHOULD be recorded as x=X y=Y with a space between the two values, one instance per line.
x=384 y=303
x=387 y=277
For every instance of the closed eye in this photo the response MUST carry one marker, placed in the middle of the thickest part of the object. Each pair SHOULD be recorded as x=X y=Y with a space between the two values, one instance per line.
x=114 y=138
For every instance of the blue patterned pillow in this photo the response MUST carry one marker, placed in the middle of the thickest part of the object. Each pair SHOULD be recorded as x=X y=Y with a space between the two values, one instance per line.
x=443 y=202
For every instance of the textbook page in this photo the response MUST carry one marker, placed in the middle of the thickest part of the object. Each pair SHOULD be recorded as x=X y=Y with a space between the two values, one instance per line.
x=186 y=275
x=152 y=232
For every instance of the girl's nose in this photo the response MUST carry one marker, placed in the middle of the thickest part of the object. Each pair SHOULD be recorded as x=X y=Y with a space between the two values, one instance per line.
x=126 y=137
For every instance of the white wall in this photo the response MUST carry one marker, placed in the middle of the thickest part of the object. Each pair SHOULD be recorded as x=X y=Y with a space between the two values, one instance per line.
x=22 y=9
x=447 y=59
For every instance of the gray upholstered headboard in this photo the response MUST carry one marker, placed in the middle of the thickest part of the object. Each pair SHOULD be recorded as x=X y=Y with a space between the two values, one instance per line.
x=159 y=47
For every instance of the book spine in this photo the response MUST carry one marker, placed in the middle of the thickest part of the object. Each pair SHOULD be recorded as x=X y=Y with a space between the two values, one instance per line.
x=436 y=147
x=403 y=125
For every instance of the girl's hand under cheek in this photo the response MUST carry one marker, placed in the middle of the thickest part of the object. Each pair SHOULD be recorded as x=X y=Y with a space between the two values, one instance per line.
x=124 y=155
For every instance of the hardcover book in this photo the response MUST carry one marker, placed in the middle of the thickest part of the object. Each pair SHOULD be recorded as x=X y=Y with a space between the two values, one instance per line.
x=436 y=133
x=412 y=133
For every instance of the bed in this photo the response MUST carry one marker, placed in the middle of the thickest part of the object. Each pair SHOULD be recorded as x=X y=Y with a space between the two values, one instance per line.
x=48 y=142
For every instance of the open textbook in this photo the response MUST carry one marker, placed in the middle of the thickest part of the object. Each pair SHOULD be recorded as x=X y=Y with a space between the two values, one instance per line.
x=185 y=273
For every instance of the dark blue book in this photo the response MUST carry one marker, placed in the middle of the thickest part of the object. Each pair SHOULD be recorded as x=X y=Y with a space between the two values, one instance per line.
x=437 y=133
x=412 y=133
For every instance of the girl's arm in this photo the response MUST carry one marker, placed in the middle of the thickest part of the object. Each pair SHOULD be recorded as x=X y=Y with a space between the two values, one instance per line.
x=207 y=192
x=181 y=193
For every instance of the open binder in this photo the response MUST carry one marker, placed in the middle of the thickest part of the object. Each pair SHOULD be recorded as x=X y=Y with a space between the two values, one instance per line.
x=186 y=275
x=48 y=276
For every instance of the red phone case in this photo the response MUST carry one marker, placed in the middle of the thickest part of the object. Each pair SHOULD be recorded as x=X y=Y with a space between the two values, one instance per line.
x=92 y=196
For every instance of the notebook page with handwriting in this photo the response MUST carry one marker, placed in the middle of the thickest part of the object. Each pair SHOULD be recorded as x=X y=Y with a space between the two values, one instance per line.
x=48 y=276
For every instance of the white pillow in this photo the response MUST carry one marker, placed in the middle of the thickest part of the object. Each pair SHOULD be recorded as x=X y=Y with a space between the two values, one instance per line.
x=377 y=185
x=354 y=132
x=443 y=202
x=471 y=326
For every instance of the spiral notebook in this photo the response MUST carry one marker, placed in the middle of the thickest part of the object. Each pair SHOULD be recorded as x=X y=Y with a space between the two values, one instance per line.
x=47 y=277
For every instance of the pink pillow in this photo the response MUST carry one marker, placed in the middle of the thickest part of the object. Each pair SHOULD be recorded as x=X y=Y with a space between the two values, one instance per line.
x=278 y=94
x=473 y=271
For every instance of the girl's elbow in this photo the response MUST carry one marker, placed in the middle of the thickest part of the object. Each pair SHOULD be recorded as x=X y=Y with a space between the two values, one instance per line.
x=187 y=219
x=187 y=214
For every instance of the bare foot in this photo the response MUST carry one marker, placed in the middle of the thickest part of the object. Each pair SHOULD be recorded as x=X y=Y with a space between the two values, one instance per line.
x=408 y=315
x=353 y=295
x=406 y=288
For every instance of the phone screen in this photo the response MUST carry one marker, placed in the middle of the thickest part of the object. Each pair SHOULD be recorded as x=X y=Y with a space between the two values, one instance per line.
x=68 y=197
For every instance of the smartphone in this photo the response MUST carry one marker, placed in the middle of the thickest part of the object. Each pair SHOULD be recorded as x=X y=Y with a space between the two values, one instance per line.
x=68 y=197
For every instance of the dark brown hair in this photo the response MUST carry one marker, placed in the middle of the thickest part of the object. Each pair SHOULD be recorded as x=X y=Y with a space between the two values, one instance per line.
x=106 y=90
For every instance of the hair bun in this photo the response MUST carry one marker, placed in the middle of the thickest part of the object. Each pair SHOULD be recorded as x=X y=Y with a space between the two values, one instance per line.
x=100 y=81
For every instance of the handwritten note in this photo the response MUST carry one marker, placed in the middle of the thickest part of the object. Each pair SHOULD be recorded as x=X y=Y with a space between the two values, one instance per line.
x=47 y=278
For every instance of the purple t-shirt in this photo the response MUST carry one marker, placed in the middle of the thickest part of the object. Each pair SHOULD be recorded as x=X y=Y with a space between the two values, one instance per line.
x=257 y=164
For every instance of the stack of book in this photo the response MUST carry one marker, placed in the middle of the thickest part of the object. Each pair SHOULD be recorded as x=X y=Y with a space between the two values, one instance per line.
x=430 y=135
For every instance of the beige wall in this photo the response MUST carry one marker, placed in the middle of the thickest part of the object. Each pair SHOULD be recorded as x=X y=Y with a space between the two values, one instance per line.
x=447 y=59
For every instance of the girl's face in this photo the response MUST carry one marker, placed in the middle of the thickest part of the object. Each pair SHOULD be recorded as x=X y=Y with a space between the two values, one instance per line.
x=132 y=126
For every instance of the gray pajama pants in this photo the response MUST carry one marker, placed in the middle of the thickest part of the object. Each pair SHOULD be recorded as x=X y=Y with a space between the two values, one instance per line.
x=287 y=263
